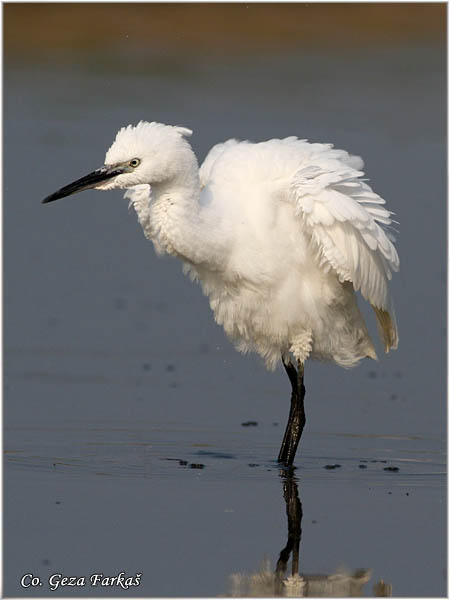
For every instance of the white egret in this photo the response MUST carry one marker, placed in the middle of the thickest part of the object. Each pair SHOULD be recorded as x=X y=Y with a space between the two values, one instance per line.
x=280 y=235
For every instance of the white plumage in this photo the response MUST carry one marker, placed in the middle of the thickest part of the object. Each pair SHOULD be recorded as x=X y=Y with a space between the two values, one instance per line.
x=279 y=234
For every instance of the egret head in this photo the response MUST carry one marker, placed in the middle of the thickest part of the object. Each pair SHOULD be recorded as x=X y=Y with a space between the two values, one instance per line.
x=150 y=153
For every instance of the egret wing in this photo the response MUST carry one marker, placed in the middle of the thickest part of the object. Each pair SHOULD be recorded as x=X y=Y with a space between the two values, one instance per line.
x=349 y=227
x=213 y=155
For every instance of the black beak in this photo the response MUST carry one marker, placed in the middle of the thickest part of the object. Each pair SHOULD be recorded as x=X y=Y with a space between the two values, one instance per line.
x=86 y=182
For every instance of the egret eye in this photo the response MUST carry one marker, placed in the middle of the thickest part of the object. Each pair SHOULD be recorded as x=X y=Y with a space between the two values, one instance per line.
x=134 y=162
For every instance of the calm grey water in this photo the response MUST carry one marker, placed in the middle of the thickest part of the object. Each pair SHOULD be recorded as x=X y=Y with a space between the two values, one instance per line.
x=115 y=370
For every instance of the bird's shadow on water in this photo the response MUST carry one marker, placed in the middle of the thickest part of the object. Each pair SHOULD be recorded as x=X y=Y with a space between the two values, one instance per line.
x=287 y=578
x=278 y=583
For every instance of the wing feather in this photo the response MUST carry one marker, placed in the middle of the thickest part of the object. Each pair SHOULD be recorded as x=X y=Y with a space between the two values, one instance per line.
x=213 y=155
x=348 y=224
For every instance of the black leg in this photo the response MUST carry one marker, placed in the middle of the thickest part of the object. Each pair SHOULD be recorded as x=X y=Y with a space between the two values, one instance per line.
x=297 y=417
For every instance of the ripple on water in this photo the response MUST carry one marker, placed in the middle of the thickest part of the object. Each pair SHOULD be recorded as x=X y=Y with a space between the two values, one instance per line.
x=136 y=450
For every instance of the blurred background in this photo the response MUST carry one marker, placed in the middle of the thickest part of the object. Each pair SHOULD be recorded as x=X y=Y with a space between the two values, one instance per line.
x=176 y=28
x=113 y=362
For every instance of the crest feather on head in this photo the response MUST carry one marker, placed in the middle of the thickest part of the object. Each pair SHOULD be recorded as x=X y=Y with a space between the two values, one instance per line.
x=184 y=131
x=135 y=139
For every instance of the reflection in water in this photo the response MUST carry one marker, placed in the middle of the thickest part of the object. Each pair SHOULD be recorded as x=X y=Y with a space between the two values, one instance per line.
x=266 y=583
